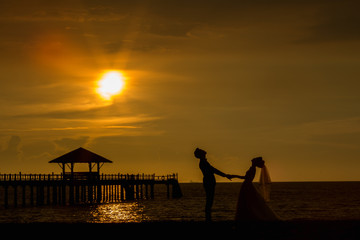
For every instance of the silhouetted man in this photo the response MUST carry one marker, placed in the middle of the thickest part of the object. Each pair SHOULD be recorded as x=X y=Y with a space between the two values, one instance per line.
x=209 y=181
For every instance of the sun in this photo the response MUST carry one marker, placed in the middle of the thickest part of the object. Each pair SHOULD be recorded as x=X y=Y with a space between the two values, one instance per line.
x=110 y=84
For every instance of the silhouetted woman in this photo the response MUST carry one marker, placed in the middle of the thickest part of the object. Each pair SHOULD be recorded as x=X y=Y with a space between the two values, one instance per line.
x=209 y=181
x=251 y=204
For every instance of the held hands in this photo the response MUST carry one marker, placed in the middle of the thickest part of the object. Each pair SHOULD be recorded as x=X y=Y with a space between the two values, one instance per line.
x=230 y=176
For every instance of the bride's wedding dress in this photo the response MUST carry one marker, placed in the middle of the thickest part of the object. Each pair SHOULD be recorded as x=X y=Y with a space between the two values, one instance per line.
x=251 y=204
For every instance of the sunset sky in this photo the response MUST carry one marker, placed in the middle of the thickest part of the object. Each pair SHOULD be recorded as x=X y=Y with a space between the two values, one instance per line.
x=240 y=79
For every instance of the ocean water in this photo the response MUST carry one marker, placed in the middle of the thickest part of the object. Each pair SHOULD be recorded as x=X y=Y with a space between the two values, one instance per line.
x=290 y=200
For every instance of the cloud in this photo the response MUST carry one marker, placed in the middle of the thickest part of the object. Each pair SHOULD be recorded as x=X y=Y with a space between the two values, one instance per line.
x=12 y=150
x=51 y=12
x=335 y=21
x=71 y=143
x=37 y=152
x=172 y=29
x=340 y=133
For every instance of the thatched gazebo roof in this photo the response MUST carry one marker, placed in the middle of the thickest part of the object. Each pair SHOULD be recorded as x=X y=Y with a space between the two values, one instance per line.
x=80 y=155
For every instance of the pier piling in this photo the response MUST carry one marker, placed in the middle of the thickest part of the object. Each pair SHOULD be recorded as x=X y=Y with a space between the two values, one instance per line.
x=53 y=189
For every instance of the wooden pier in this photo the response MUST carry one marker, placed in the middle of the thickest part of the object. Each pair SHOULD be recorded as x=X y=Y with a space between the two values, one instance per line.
x=81 y=187
x=58 y=189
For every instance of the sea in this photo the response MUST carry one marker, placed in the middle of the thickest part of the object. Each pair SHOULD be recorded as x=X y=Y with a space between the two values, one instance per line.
x=290 y=201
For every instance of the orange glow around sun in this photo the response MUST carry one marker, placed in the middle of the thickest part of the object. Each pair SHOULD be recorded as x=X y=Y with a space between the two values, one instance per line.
x=110 y=84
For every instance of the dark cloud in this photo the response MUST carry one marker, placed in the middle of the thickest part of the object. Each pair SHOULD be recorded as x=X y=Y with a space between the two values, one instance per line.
x=335 y=21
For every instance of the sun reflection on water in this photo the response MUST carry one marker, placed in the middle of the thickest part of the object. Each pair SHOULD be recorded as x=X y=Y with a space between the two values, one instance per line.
x=118 y=213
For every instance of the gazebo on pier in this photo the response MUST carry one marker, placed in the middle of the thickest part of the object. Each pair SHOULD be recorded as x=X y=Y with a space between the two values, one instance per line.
x=82 y=187
x=80 y=155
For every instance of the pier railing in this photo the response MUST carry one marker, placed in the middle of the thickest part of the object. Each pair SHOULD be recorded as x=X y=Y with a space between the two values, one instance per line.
x=84 y=176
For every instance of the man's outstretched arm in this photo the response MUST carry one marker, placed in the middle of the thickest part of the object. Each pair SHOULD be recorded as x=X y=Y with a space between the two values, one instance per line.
x=220 y=173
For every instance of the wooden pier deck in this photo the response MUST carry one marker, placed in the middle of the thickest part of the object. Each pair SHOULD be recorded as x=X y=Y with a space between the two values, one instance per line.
x=81 y=187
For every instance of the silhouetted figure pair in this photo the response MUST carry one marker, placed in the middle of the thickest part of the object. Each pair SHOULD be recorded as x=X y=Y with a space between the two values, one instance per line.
x=251 y=204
